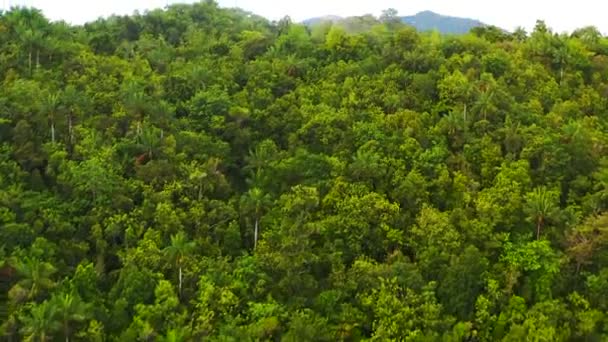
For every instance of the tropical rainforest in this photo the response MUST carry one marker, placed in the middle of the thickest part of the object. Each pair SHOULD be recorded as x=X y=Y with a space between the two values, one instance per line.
x=197 y=173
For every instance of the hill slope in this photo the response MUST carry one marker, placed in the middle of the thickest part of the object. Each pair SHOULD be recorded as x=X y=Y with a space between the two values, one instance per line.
x=325 y=18
x=202 y=174
x=427 y=20
x=422 y=21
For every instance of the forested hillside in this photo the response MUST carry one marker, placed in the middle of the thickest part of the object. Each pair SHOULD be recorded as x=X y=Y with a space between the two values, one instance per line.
x=203 y=174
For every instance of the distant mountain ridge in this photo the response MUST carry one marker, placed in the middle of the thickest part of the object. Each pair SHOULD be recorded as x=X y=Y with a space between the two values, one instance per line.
x=428 y=21
x=422 y=21
x=326 y=18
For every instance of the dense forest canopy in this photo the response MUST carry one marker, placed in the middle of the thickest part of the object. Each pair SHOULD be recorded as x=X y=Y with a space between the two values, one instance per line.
x=200 y=173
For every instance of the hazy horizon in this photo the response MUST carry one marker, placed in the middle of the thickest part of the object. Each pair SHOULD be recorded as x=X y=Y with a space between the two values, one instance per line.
x=559 y=15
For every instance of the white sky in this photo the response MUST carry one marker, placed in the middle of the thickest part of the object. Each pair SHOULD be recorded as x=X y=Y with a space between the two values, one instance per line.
x=561 y=15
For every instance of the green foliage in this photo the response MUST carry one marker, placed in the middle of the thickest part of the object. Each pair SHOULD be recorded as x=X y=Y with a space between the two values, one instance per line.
x=200 y=173
x=41 y=322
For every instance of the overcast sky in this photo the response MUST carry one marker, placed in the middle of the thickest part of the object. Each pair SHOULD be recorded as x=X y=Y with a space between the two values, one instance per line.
x=561 y=15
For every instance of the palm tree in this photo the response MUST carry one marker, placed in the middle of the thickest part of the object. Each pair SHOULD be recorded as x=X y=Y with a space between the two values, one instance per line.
x=31 y=39
x=512 y=138
x=294 y=65
x=59 y=33
x=36 y=276
x=41 y=322
x=197 y=176
x=484 y=103
x=71 y=99
x=69 y=308
x=30 y=26
x=540 y=206
x=179 y=248
x=454 y=125
x=197 y=77
x=149 y=139
x=561 y=58
x=50 y=106
x=135 y=102
x=174 y=335
x=261 y=156
x=255 y=201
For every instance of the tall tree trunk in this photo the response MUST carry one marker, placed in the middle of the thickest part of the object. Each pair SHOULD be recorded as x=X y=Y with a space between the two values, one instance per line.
x=70 y=129
x=180 y=281
x=37 y=59
x=29 y=61
x=53 y=131
x=255 y=234
x=66 y=331
x=100 y=263
x=539 y=225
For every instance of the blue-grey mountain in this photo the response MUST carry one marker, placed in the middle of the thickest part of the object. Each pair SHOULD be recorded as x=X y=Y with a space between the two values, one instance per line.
x=423 y=21
x=428 y=21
